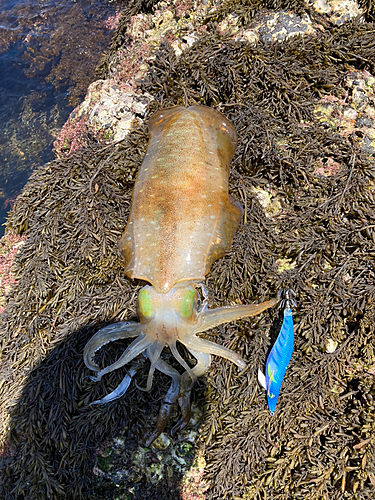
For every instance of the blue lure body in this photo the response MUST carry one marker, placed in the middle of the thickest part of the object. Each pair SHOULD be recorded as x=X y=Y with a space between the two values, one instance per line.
x=278 y=360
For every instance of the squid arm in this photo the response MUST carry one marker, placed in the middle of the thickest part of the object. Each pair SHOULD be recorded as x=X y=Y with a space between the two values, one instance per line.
x=211 y=318
x=116 y=331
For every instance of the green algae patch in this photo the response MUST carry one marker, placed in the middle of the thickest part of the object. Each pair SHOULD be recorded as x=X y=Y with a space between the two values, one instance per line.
x=271 y=205
x=285 y=265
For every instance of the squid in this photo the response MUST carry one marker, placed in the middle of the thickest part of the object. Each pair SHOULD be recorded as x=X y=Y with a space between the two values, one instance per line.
x=181 y=220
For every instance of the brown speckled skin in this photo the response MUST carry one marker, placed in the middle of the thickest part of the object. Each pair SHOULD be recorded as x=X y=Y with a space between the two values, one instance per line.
x=181 y=217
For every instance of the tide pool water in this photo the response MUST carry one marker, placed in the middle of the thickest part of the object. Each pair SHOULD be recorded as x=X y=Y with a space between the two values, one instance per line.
x=48 y=54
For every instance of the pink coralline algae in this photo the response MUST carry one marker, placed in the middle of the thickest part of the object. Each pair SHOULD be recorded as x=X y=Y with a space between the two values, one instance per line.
x=193 y=486
x=6 y=451
x=108 y=113
x=9 y=245
x=113 y=22
x=328 y=167
x=8 y=203
x=73 y=135
x=104 y=118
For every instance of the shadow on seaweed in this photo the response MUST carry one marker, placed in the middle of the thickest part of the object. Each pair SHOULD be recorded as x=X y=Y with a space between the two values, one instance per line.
x=59 y=447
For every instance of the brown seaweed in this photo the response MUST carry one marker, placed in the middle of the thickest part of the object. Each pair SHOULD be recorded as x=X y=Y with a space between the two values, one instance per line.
x=319 y=444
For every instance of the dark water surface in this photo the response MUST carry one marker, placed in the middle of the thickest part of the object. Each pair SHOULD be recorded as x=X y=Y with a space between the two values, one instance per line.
x=48 y=53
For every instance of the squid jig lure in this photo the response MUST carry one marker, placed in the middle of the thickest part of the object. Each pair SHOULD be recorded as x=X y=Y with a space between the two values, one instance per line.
x=280 y=355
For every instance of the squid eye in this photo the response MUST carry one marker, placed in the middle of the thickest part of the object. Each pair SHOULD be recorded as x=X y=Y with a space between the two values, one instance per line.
x=187 y=303
x=145 y=308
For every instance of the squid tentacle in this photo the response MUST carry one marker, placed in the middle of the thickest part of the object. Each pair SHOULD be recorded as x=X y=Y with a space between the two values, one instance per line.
x=153 y=353
x=203 y=363
x=211 y=318
x=116 y=331
x=123 y=386
x=180 y=359
x=120 y=389
x=138 y=345
x=194 y=343
x=168 y=402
